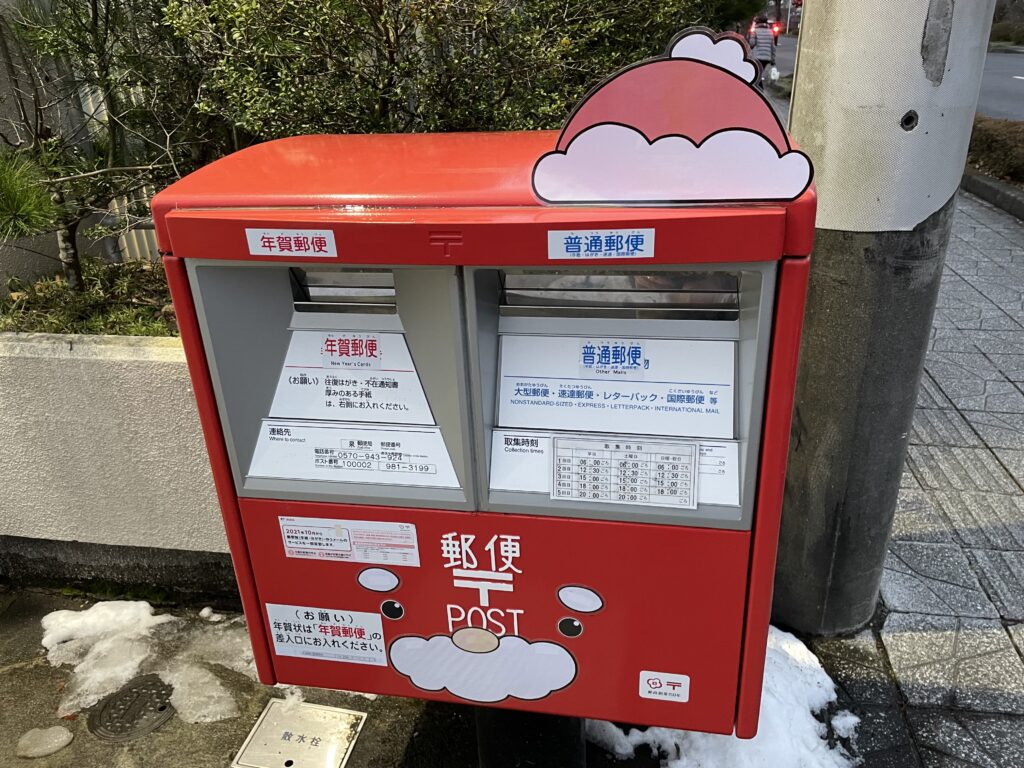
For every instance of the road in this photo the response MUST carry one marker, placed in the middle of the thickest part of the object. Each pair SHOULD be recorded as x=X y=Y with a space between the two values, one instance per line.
x=1002 y=87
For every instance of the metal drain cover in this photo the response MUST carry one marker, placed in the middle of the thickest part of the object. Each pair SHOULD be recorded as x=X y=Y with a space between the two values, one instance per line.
x=140 y=707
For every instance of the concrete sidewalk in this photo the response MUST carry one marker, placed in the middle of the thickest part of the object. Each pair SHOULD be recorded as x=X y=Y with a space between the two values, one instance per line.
x=938 y=679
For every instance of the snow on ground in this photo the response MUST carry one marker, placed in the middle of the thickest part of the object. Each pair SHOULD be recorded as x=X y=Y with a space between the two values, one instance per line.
x=111 y=642
x=789 y=736
x=106 y=644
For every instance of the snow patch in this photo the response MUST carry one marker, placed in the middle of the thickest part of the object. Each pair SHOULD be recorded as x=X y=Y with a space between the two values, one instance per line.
x=611 y=163
x=111 y=642
x=727 y=52
x=795 y=687
x=208 y=614
x=106 y=644
x=198 y=696
x=292 y=697
x=40 y=742
x=516 y=668
x=227 y=646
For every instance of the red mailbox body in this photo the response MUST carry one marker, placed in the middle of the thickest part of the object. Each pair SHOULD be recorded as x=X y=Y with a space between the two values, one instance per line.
x=684 y=609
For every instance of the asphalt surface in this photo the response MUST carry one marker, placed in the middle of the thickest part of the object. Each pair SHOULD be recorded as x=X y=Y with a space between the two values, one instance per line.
x=1002 y=87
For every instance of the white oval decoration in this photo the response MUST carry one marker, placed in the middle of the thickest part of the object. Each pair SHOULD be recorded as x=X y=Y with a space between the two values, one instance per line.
x=378 y=579
x=580 y=599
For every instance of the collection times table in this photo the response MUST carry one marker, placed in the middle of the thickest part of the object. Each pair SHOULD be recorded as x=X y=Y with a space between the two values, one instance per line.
x=620 y=472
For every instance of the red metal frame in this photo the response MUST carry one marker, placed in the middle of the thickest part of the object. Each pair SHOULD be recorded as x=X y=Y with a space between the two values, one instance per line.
x=429 y=203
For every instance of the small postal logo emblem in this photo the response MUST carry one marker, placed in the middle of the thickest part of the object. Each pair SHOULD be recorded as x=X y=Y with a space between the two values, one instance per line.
x=600 y=244
x=664 y=686
x=315 y=243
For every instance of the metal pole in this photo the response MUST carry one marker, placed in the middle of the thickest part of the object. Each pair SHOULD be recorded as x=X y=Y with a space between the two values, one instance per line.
x=883 y=102
x=507 y=738
x=789 y=14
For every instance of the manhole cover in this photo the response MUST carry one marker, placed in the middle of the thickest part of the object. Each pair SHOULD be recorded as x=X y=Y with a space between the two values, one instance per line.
x=140 y=707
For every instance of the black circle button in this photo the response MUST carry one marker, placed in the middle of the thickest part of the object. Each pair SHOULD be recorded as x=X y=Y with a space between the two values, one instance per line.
x=392 y=609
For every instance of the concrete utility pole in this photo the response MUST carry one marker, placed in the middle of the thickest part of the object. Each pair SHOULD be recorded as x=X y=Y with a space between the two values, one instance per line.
x=883 y=102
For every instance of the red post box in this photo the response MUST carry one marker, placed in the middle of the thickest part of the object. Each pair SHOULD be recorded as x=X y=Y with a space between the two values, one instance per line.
x=502 y=418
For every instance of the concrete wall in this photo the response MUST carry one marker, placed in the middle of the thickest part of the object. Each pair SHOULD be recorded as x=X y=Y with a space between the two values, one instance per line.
x=100 y=443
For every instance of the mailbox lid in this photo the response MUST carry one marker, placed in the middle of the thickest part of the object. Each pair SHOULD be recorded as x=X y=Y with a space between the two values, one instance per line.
x=365 y=178
x=669 y=622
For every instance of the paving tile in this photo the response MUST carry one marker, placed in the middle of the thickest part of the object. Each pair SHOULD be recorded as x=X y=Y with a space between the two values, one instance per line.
x=972 y=317
x=1017 y=635
x=998 y=430
x=960 y=469
x=932 y=578
x=998 y=342
x=865 y=687
x=929 y=395
x=955 y=662
x=1012 y=366
x=960 y=365
x=917 y=519
x=1003 y=293
x=857 y=667
x=883 y=738
x=972 y=381
x=1013 y=461
x=942 y=427
x=983 y=520
x=952 y=340
x=960 y=740
x=907 y=479
x=1002 y=576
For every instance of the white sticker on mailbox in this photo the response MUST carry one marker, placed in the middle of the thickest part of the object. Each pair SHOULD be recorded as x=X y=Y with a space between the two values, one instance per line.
x=664 y=686
x=342 y=376
x=626 y=471
x=521 y=461
x=365 y=453
x=330 y=634
x=316 y=243
x=578 y=244
x=670 y=387
x=357 y=541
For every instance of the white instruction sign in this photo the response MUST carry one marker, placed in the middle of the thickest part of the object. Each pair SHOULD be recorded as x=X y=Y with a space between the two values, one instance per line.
x=350 y=376
x=356 y=541
x=579 y=244
x=522 y=461
x=671 y=387
x=626 y=472
x=331 y=634
x=365 y=453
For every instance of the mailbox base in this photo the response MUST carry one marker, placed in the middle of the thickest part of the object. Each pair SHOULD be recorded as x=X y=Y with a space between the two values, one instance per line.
x=511 y=739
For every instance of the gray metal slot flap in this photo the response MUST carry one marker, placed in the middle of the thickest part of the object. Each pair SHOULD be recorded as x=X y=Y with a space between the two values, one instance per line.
x=340 y=289
x=653 y=295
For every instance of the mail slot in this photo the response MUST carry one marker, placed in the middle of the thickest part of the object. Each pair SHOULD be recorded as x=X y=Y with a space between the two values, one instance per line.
x=487 y=427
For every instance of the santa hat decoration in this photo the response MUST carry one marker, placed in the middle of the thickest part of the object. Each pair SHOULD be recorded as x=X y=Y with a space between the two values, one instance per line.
x=689 y=127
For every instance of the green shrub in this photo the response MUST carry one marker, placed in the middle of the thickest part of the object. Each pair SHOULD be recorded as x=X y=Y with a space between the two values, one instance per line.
x=997 y=147
x=1008 y=32
x=124 y=299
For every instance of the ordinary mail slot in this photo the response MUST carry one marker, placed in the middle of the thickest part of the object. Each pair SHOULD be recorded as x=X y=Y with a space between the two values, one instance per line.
x=655 y=296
